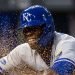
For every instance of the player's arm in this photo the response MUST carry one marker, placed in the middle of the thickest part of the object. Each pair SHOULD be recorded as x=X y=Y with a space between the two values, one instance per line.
x=16 y=56
x=65 y=64
x=11 y=60
x=63 y=67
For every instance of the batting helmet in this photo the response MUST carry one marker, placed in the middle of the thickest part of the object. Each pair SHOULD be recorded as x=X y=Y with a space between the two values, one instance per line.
x=38 y=15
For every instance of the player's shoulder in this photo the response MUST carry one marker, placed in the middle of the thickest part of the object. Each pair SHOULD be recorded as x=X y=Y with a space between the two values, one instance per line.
x=61 y=37
x=22 y=49
x=65 y=41
x=23 y=46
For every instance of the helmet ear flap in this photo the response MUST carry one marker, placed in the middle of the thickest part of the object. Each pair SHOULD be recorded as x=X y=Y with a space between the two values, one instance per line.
x=43 y=25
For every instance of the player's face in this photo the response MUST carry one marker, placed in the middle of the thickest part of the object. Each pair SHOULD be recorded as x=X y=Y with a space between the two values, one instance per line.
x=32 y=34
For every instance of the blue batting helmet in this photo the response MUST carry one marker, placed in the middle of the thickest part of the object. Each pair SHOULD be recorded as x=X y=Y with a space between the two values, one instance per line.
x=38 y=15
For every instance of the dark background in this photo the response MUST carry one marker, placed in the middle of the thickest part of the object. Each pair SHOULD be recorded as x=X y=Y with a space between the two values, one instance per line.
x=63 y=12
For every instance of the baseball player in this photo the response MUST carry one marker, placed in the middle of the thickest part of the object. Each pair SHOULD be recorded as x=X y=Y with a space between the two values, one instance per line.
x=44 y=48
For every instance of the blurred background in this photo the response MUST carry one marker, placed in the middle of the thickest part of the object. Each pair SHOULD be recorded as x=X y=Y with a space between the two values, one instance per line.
x=63 y=12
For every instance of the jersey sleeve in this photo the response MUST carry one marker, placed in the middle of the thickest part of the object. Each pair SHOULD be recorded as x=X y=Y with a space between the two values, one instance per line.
x=11 y=60
x=65 y=62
